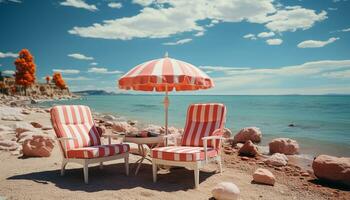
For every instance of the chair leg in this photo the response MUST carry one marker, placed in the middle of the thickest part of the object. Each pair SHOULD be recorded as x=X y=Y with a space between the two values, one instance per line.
x=86 y=173
x=101 y=165
x=126 y=161
x=154 y=170
x=220 y=164
x=196 y=176
x=64 y=163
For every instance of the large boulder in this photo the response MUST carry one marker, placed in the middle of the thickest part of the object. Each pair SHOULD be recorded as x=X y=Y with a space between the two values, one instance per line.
x=8 y=145
x=277 y=159
x=250 y=133
x=226 y=191
x=248 y=149
x=38 y=146
x=263 y=176
x=284 y=145
x=332 y=168
x=10 y=113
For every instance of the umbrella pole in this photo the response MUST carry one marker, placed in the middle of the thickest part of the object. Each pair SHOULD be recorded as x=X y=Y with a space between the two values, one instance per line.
x=166 y=106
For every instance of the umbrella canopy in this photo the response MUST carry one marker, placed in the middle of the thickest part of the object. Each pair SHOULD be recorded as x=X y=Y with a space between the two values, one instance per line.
x=165 y=74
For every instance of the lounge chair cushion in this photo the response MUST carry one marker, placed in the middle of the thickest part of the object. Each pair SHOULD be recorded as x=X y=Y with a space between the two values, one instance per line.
x=75 y=121
x=182 y=153
x=98 y=151
x=203 y=120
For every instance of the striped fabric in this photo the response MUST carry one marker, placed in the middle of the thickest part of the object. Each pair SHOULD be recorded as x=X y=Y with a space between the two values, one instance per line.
x=156 y=74
x=98 y=151
x=182 y=153
x=75 y=121
x=203 y=120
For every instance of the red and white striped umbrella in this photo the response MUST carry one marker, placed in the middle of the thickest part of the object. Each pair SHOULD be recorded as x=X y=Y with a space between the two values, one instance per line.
x=164 y=75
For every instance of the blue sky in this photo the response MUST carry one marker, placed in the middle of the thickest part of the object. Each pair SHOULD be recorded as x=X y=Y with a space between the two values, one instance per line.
x=248 y=47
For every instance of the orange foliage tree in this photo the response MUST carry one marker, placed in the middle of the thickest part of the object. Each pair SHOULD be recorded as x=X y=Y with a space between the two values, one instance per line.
x=47 y=79
x=58 y=80
x=25 y=69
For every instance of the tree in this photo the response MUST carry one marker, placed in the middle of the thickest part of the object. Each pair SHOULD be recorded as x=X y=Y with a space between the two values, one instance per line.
x=25 y=69
x=48 y=79
x=58 y=80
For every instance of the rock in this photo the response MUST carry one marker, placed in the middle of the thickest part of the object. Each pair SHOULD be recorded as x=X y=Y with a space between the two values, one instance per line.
x=33 y=101
x=244 y=158
x=291 y=125
x=284 y=145
x=36 y=125
x=108 y=123
x=21 y=127
x=13 y=104
x=109 y=117
x=155 y=129
x=248 y=149
x=226 y=191
x=123 y=127
x=38 y=146
x=277 y=159
x=8 y=145
x=250 y=133
x=46 y=128
x=336 y=169
x=5 y=128
x=12 y=118
x=25 y=112
x=264 y=176
x=227 y=133
x=132 y=122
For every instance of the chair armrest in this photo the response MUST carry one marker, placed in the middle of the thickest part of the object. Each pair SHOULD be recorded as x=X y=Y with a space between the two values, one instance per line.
x=213 y=137
x=216 y=136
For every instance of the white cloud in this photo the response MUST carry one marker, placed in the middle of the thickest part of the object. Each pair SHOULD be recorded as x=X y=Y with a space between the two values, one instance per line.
x=317 y=77
x=8 y=55
x=143 y=2
x=170 y=17
x=67 y=71
x=13 y=1
x=179 y=42
x=80 y=56
x=102 y=70
x=293 y=19
x=79 y=4
x=316 y=43
x=94 y=63
x=274 y=41
x=266 y=34
x=332 y=9
x=249 y=36
x=78 y=78
x=115 y=5
x=345 y=30
x=338 y=74
x=198 y=34
x=8 y=72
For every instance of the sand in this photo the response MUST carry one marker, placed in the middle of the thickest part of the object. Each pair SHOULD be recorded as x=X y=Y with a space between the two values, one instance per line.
x=39 y=178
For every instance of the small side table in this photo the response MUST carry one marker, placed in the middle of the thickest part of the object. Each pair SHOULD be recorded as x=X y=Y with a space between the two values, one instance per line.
x=152 y=142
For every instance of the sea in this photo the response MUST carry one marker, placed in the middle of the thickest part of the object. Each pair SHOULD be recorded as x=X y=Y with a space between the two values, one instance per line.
x=321 y=123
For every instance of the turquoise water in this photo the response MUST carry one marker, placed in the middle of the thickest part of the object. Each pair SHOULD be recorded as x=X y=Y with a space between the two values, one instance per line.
x=322 y=122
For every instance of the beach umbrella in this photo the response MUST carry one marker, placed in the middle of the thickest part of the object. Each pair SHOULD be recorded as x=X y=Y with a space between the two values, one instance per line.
x=165 y=75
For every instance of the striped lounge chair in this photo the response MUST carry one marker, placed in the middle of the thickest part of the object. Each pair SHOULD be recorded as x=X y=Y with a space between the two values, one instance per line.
x=80 y=140
x=201 y=141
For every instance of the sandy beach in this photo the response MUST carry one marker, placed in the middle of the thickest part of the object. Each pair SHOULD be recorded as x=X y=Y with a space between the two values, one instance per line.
x=39 y=178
